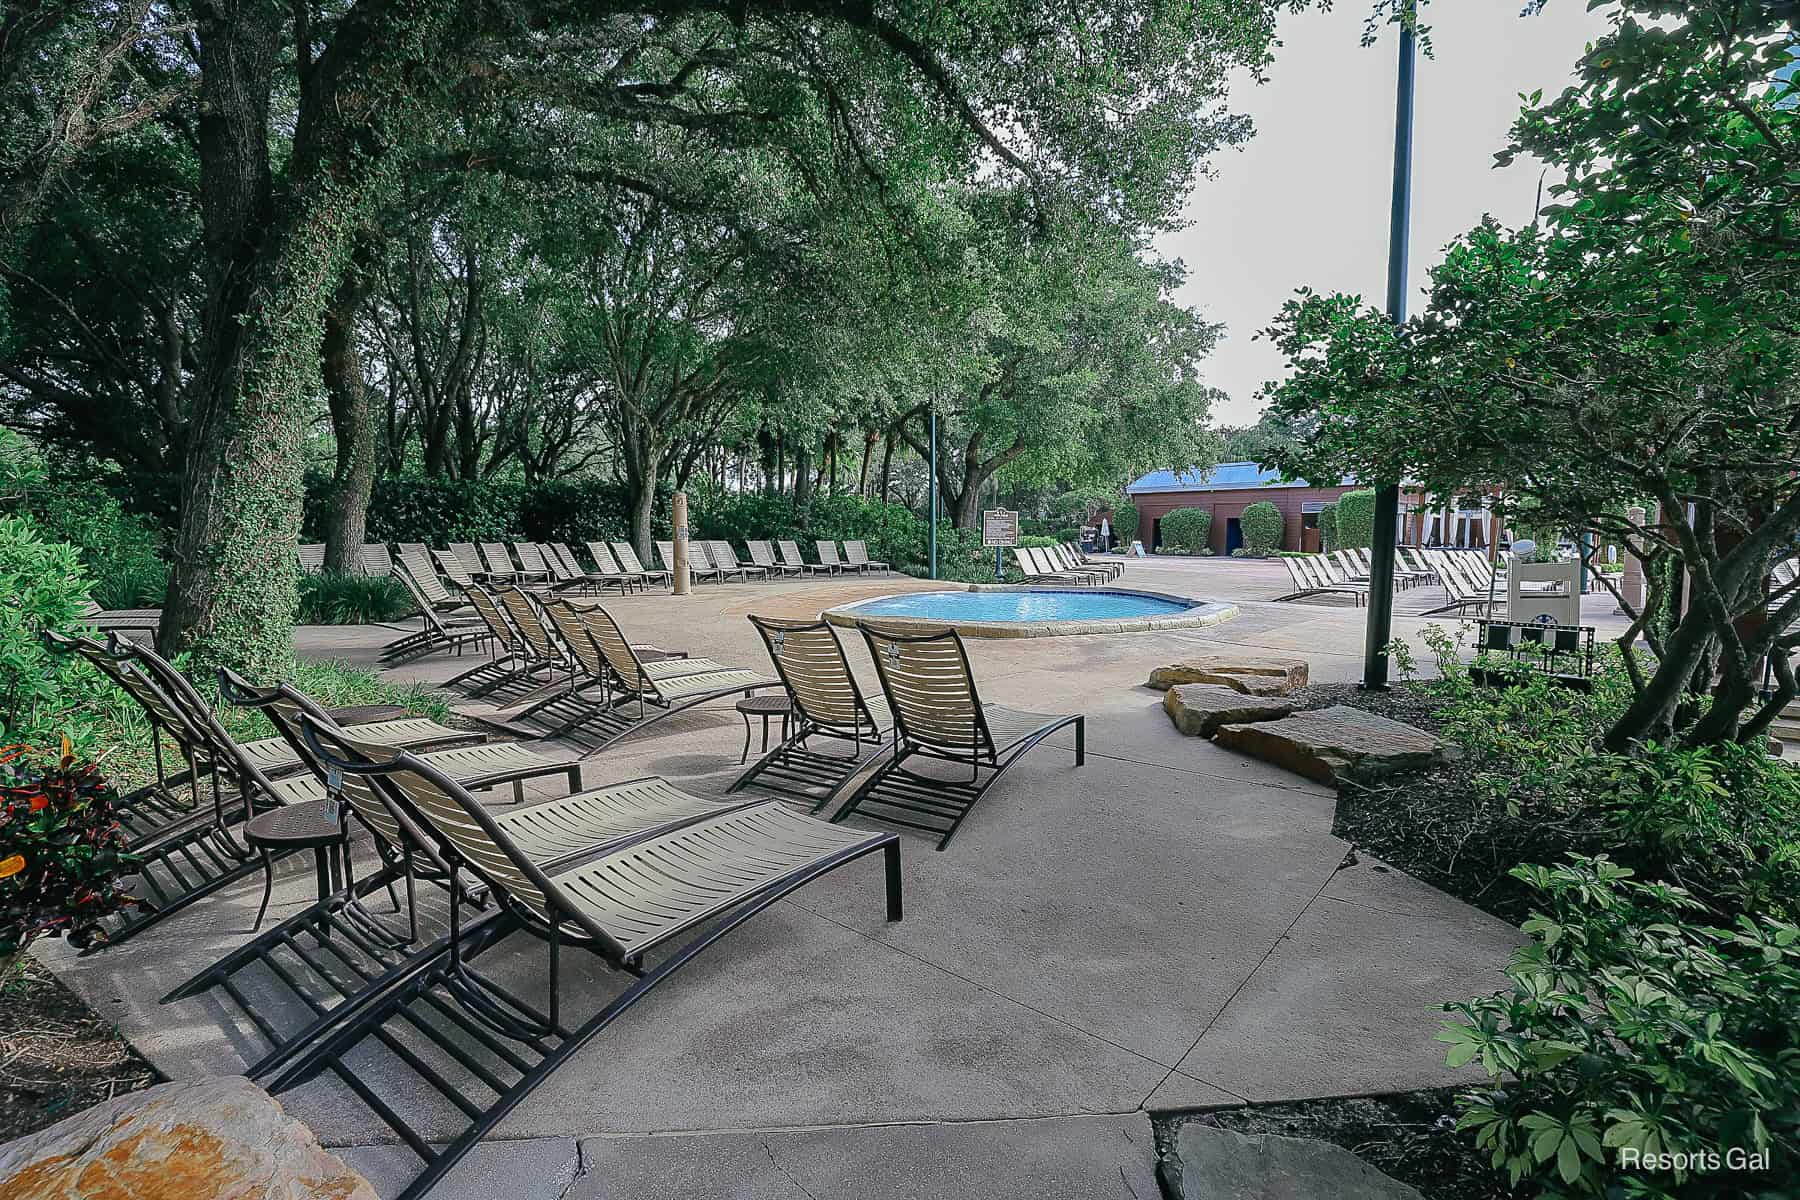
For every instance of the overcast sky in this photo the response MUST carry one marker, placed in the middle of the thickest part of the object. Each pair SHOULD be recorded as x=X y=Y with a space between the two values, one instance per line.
x=1306 y=201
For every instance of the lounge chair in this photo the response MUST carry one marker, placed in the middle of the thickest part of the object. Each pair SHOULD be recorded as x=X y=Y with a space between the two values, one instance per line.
x=763 y=555
x=437 y=631
x=629 y=562
x=700 y=567
x=828 y=556
x=856 y=554
x=310 y=951
x=671 y=894
x=414 y=561
x=827 y=703
x=121 y=620
x=184 y=847
x=312 y=558
x=374 y=560
x=1057 y=559
x=656 y=685
x=606 y=573
x=1307 y=584
x=790 y=556
x=497 y=564
x=938 y=715
x=1035 y=571
x=532 y=567
x=470 y=558
x=567 y=575
x=1076 y=554
x=726 y=560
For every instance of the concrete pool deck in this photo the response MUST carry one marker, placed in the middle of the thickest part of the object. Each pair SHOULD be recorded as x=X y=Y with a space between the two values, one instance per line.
x=1171 y=926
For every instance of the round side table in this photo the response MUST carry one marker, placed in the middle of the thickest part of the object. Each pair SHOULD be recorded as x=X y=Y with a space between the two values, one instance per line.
x=768 y=706
x=313 y=826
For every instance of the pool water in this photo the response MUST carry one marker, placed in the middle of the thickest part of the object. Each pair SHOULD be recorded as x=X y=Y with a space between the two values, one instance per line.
x=1088 y=605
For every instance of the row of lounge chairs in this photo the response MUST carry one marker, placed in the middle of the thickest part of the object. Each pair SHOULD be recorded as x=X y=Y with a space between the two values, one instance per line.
x=614 y=564
x=1064 y=564
x=1466 y=576
x=642 y=876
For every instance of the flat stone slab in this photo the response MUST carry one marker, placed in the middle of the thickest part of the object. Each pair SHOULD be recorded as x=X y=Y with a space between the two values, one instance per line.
x=1222 y=1164
x=1251 y=676
x=1063 y=1158
x=1198 y=709
x=218 y=1138
x=1328 y=744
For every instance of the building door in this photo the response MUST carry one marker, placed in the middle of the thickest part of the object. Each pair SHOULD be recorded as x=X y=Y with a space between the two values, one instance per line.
x=1234 y=534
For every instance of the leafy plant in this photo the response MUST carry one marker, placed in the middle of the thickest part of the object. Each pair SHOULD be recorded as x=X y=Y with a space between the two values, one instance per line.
x=42 y=587
x=1264 y=528
x=1186 y=530
x=1627 y=1033
x=1328 y=529
x=327 y=599
x=62 y=500
x=1125 y=521
x=62 y=851
x=1353 y=518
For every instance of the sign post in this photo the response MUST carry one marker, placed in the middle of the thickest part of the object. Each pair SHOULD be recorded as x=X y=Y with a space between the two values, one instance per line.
x=999 y=529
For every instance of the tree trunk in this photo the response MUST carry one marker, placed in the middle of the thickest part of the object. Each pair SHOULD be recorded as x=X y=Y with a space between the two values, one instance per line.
x=887 y=467
x=870 y=437
x=803 y=482
x=352 y=424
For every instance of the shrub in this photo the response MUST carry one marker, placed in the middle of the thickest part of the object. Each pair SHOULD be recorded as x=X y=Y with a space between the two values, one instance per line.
x=1263 y=527
x=1328 y=531
x=119 y=549
x=1186 y=530
x=42 y=587
x=1354 y=520
x=62 y=851
x=1629 y=1031
x=327 y=599
x=1125 y=523
x=440 y=511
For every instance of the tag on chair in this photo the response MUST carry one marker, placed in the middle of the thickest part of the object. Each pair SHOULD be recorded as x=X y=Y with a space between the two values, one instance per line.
x=780 y=639
x=893 y=654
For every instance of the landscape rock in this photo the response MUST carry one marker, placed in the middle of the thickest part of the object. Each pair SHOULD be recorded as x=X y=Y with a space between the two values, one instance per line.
x=1250 y=676
x=1222 y=1164
x=222 y=1138
x=1198 y=709
x=1328 y=744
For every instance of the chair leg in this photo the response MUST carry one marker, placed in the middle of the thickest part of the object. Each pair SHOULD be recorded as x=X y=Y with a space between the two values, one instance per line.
x=891 y=856
x=268 y=889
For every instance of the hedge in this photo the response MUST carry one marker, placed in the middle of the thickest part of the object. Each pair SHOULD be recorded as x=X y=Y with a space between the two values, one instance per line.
x=1356 y=520
x=1186 y=530
x=1263 y=527
x=440 y=511
x=1328 y=531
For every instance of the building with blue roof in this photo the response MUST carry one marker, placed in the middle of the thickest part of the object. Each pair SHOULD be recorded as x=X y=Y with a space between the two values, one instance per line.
x=1229 y=488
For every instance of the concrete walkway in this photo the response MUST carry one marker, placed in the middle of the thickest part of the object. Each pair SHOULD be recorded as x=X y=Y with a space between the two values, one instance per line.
x=1170 y=926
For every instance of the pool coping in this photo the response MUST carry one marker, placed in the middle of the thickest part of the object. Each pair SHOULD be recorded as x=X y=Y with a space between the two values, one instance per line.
x=1200 y=613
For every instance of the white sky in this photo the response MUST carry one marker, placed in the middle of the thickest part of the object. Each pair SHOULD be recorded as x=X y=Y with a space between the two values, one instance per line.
x=1305 y=203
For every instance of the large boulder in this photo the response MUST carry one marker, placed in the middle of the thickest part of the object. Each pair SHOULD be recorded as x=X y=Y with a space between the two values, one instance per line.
x=1328 y=744
x=199 y=1139
x=1198 y=709
x=1219 y=1164
x=1250 y=676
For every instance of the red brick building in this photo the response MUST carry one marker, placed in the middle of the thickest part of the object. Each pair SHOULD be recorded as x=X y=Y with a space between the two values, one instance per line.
x=1229 y=488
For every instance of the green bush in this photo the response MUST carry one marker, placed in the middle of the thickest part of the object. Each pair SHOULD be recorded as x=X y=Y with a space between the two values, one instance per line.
x=119 y=549
x=42 y=587
x=1186 y=530
x=1355 y=520
x=1263 y=528
x=327 y=599
x=1629 y=1030
x=440 y=511
x=1125 y=523
x=1328 y=530
x=62 y=851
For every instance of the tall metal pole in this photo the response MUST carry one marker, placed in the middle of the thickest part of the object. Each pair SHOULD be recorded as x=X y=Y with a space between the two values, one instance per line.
x=934 y=491
x=1380 y=629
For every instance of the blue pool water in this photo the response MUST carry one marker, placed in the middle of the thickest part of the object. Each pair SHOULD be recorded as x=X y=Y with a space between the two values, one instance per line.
x=1089 y=605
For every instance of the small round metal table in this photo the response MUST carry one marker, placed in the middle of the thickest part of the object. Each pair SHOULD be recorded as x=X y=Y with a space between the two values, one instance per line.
x=313 y=826
x=767 y=705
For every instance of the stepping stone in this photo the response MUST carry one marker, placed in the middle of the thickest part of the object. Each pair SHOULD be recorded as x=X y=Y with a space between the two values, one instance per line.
x=1222 y=1164
x=222 y=1138
x=1251 y=676
x=1198 y=709
x=1328 y=744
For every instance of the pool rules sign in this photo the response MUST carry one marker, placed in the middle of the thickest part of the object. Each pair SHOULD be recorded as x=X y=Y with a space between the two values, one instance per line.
x=999 y=529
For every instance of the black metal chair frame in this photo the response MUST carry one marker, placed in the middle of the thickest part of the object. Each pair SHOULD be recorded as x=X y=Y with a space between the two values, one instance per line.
x=925 y=802
x=530 y=1042
x=1564 y=653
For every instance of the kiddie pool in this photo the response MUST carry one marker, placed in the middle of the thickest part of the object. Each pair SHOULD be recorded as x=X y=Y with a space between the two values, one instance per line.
x=987 y=610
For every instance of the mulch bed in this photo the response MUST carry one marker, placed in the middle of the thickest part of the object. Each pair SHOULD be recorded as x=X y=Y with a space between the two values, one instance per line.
x=1411 y=1137
x=57 y=1056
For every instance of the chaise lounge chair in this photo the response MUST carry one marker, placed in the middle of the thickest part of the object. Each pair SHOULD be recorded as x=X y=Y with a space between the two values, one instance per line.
x=939 y=716
x=630 y=563
x=856 y=554
x=763 y=555
x=790 y=557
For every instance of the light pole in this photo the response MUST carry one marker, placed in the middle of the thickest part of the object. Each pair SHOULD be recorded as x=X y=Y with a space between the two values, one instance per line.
x=932 y=484
x=1387 y=495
